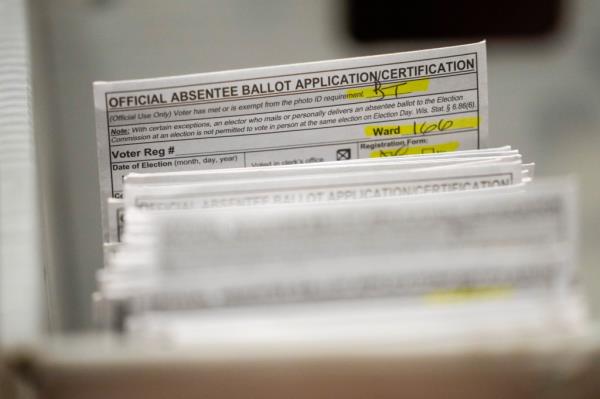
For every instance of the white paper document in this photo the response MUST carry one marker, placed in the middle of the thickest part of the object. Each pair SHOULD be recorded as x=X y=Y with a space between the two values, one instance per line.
x=385 y=181
x=327 y=181
x=495 y=242
x=379 y=106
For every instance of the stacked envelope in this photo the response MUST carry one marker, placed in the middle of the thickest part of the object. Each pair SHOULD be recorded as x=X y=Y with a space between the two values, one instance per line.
x=436 y=244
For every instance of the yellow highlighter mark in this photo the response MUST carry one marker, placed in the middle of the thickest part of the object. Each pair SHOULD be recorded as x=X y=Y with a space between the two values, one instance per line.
x=468 y=294
x=423 y=127
x=422 y=149
x=380 y=91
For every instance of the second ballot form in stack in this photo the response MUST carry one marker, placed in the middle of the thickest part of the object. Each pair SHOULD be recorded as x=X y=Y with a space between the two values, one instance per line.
x=427 y=238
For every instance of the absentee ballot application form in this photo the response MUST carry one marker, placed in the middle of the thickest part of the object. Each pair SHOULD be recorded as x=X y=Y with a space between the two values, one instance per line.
x=386 y=105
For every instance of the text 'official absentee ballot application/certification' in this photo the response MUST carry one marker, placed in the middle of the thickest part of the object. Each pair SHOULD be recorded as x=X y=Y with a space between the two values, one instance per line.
x=388 y=105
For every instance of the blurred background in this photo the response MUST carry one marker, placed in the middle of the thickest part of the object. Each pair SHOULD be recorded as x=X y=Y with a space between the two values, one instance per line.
x=544 y=89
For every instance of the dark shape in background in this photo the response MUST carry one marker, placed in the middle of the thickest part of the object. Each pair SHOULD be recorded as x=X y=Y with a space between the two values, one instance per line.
x=433 y=19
